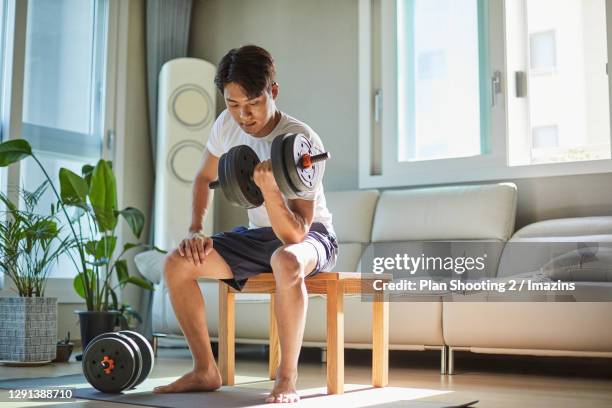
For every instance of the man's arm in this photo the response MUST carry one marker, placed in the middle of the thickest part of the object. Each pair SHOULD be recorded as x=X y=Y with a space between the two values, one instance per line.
x=290 y=221
x=206 y=174
x=194 y=246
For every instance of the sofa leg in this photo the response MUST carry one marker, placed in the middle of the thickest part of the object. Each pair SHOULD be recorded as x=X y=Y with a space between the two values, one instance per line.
x=444 y=360
x=323 y=355
x=451 y=361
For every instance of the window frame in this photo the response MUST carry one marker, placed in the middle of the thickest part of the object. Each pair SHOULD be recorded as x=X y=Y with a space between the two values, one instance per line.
x=378 y=141
x=113 y=95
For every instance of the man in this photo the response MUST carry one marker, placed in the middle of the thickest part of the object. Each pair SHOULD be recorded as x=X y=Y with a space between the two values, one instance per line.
x=292 y=238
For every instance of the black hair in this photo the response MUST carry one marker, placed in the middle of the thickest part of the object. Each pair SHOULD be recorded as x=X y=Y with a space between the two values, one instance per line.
x=249 y=66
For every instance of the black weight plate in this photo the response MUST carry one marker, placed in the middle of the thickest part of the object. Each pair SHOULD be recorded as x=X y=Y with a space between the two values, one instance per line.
x=304 y=180
x=244 y=160
x=224 y=177
x=279 y=169
x=137 y=358
x=146 y=352
x=232 y=178
x=117 y=349
x=135 y=350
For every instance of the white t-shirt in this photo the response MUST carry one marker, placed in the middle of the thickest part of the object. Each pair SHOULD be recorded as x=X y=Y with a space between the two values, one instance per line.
x=226 y=133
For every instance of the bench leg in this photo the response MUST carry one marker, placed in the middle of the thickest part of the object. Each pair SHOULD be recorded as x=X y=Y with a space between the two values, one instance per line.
x=380 y=341
x=274 y=356
x=335 y=337
x=227 y=333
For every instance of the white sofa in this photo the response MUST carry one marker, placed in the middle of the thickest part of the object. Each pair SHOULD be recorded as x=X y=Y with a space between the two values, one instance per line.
x=475 y=213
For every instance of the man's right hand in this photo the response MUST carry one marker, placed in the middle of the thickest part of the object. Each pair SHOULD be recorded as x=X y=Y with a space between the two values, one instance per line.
x=196 y=246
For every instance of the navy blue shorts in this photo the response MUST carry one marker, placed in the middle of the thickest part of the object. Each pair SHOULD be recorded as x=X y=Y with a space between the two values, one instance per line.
x=248 y=251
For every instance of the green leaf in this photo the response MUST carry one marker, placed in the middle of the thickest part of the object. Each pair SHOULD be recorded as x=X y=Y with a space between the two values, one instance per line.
x=135 y=219
x=86 y=172
x=105 y=247
x=102 y=249
x=129 y=246
x=122 y=271
x=73 y=189
x=13 y=151
x=103 y=196
x=79 y=285
x=90 y=247
x=140 y=282
x=115 y=301
x=42 y=229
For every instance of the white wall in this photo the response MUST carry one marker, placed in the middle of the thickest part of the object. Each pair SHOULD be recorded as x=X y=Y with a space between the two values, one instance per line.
x=315 y=46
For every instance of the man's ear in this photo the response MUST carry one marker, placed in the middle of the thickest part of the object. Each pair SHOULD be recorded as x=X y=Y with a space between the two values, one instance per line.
x=275 y=90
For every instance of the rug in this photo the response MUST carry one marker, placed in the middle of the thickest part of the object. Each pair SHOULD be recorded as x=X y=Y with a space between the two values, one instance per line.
x=244 y=395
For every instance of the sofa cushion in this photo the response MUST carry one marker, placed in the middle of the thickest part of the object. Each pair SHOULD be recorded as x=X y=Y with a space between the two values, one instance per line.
x=349 y=256
x=353 y=212
x=446 y=213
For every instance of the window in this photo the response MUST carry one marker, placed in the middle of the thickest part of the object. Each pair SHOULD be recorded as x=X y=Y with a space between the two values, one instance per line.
x=63 y=91
x=471 y=90
x=58 y=84
x=566 y=87
x=439 y=52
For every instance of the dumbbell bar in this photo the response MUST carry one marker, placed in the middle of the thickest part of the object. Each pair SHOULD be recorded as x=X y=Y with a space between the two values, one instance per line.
x=114 y=362
x=306 y=162
x=298 y=168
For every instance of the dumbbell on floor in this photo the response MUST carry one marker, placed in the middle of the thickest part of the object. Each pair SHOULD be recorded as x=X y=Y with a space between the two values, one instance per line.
x=117 y=361
x=298 y=169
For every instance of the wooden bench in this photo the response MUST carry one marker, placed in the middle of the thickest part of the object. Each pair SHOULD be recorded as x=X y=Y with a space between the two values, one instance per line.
x=332 y=284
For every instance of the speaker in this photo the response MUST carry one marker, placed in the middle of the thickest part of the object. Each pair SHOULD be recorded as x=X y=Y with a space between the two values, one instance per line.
x=186 y=112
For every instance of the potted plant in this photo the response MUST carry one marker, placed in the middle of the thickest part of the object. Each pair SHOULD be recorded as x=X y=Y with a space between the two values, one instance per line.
x=29 y=244
x=93 y=196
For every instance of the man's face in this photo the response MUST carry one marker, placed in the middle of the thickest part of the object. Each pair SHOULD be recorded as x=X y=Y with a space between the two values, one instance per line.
x=252 y=115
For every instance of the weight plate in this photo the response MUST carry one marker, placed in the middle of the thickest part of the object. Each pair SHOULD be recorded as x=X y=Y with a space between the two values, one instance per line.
x=232 y=178
x=146 y=352
x=137 y=359
x=279 y=169
x=224 y=180
x=118 y=354
x=244 y=160
x=304 y=180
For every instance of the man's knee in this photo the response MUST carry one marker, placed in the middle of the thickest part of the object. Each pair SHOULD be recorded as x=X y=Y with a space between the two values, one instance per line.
x=287 y=267
x=176 y=267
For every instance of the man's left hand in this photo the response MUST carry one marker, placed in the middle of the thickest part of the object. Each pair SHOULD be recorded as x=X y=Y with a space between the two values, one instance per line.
x=263 y=177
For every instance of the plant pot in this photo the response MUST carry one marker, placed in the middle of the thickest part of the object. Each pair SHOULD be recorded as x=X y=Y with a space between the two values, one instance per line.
x=95 y=323
x=28 y=329
x=63 y=352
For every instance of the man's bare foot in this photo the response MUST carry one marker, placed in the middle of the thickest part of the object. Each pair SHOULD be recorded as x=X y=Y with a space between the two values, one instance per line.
x=208 y=380
x=284 y=390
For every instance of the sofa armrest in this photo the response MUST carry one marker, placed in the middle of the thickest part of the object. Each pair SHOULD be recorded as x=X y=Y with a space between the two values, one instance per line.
x=553 y=246
x=150 y=264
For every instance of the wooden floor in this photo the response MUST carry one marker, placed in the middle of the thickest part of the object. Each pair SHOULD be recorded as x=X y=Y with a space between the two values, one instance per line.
x=496 y=381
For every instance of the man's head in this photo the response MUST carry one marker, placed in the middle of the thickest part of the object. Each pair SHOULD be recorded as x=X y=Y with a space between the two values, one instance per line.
x=245 y=77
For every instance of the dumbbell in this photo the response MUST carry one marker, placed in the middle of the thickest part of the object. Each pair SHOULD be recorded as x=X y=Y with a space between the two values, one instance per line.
x=117 y=361
x=298 y=169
